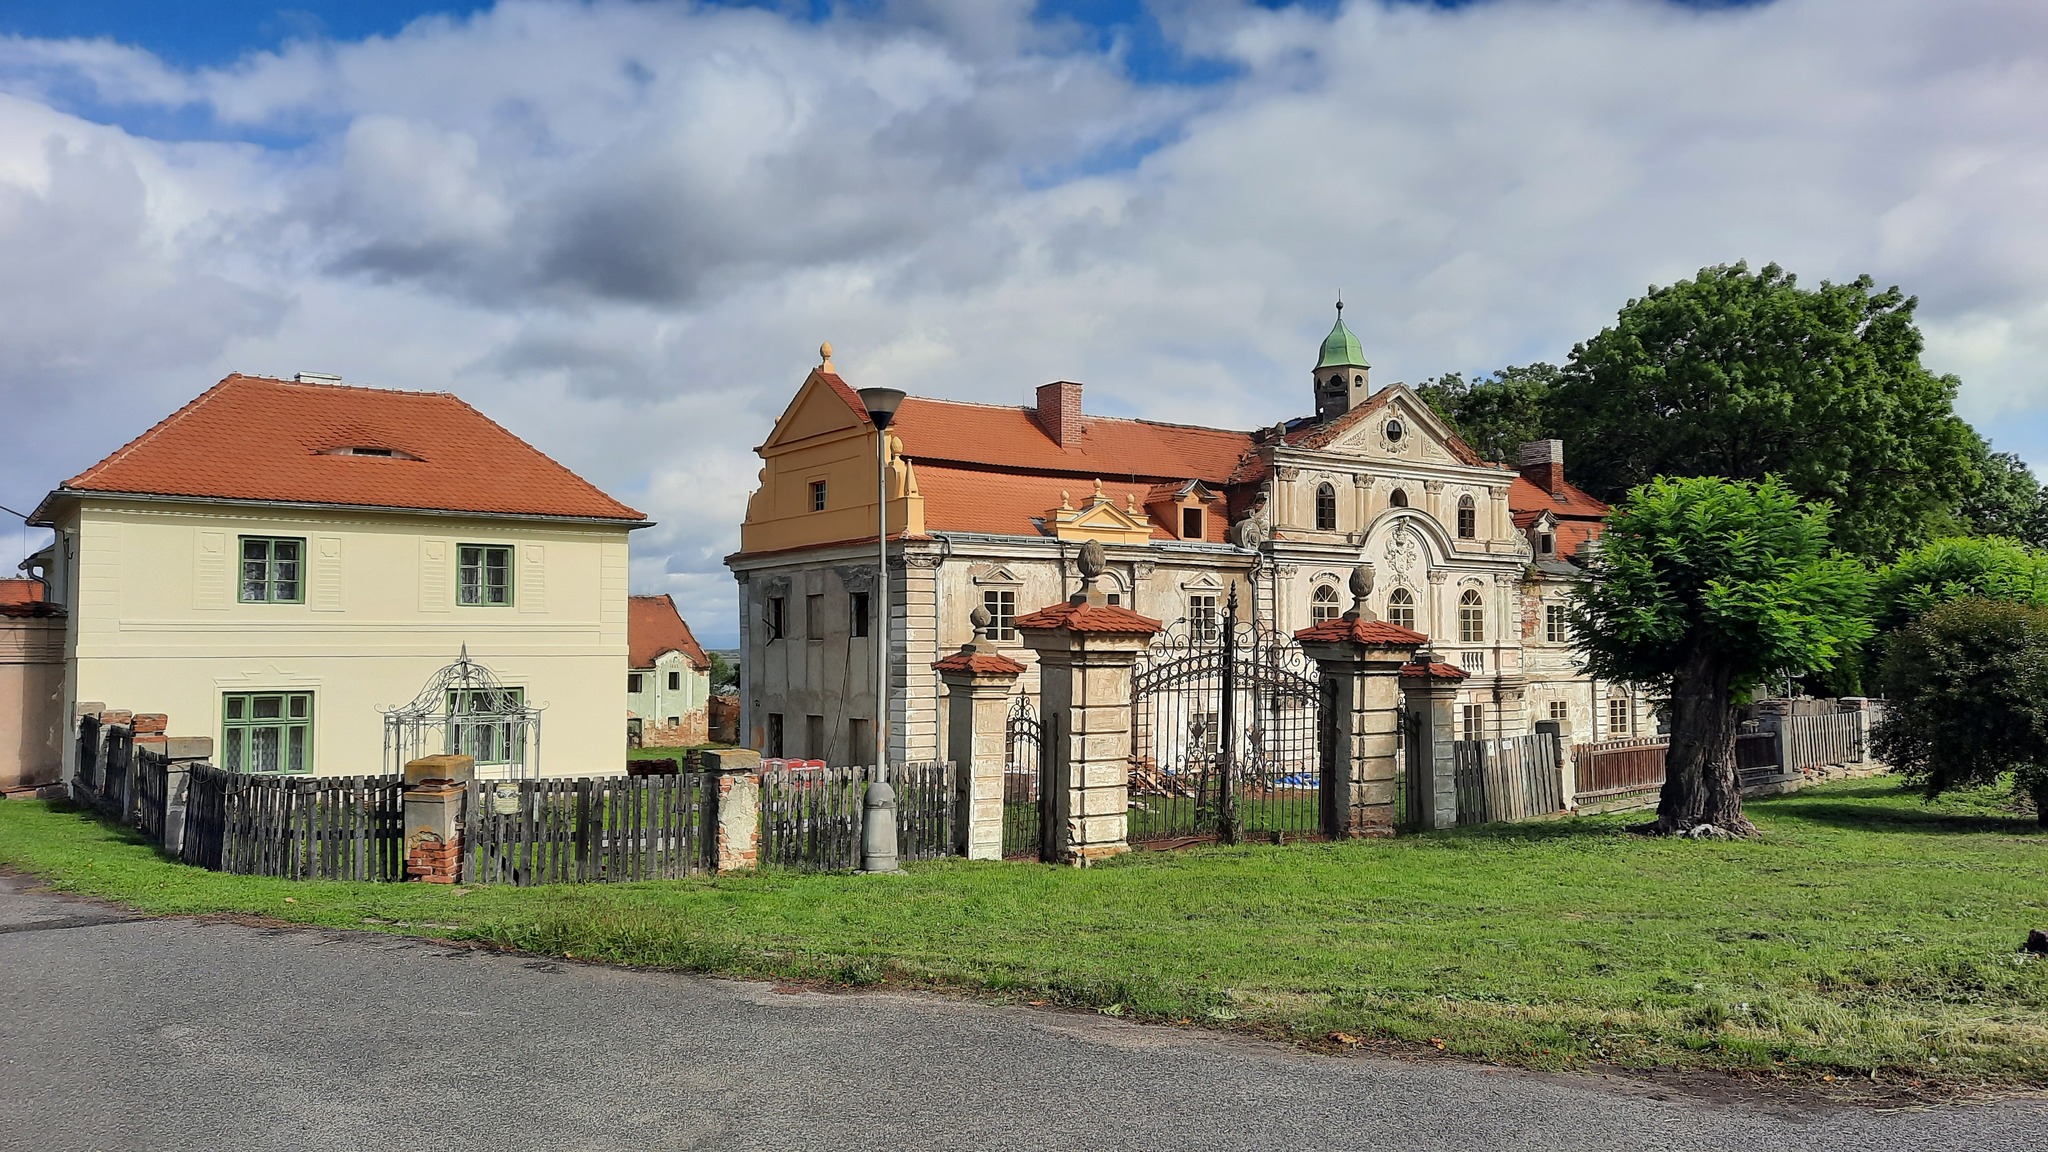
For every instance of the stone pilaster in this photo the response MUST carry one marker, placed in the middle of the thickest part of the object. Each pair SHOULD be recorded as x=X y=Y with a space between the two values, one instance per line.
x=1431 y=692
x=979 y=683
x=1359 y=659
x=1086 y=650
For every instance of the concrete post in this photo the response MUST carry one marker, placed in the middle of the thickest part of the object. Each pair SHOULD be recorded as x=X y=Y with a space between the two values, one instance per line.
x=1431 y=692
x=878 y=828
x=1086 y=649
x=1359 y=657
x=733 y=837
x=978 y=682
x=436 y=792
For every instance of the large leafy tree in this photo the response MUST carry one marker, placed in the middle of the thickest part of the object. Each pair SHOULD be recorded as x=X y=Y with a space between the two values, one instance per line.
x=2003 y=498
x=1967 y=689
x=1706 y=587
x=1745 y=374
x=1935 y=573
x=1498 y=414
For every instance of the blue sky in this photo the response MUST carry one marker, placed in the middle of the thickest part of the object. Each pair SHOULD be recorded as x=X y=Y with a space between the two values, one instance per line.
x=622 y=227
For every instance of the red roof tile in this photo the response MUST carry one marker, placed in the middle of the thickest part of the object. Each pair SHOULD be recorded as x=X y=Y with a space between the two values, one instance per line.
x=1105 y=619
x=1006 y=503
x=1376 y=633
x=980 y=664
x=1436 y=670
x=1000 y=437
x=1570 y=504
x=253 y=438
x=653 y=626
x=19 y=591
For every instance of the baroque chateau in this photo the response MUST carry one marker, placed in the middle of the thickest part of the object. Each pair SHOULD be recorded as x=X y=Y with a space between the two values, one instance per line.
x=988 y=507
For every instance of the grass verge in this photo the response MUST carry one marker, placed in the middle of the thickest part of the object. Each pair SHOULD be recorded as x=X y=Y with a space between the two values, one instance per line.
x=1865 y=932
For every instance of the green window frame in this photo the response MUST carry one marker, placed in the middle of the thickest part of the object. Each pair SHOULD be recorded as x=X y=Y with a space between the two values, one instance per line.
x=267 y=733
x=487 y=741
x=483 y=575
x=273 y=570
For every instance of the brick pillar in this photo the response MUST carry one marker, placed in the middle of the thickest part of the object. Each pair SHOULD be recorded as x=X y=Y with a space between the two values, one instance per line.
x=436 y=793
x=978 y=682
x=733 y=779
x=1086 y=649
x=1359 y=658
x=1430 y=690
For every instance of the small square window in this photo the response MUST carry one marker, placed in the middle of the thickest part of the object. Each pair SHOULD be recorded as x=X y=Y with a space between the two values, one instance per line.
x=817 y=495
x=634 y=683
x=271 y=570
x=1560 y=711
x=483 y=575
x=675 y=681
x=267 y=732
x=1472 y=722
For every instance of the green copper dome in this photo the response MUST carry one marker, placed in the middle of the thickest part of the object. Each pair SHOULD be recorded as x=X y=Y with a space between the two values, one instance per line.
x=1341 y=348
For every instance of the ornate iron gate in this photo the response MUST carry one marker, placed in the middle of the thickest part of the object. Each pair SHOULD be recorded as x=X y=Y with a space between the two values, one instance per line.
x=1225 y=726
x=1023 y=766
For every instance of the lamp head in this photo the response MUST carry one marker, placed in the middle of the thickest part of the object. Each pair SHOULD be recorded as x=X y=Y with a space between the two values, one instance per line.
x=881 y=404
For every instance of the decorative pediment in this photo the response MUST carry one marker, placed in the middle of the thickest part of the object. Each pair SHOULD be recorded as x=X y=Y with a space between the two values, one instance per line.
x=994 y=574
x=1098 y=518
x=1203 y=581
x=817 y=410
x=1398 y=425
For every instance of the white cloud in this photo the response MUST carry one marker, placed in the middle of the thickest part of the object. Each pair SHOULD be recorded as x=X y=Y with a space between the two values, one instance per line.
x=622 y=229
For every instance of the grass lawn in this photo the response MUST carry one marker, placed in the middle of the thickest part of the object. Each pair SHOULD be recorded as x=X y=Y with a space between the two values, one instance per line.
x=1865 y=931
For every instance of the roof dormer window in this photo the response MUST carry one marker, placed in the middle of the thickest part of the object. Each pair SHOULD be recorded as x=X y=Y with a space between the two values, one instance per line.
x=1191 y=523
x=373 y=451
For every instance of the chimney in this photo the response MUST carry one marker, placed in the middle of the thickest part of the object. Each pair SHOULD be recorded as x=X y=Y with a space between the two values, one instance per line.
x=1542 y=464
x=1059 y=412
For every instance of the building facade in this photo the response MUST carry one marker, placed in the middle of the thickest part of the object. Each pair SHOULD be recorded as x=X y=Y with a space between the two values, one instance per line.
x=283 y=565
x=668 y=677
x=988 y=506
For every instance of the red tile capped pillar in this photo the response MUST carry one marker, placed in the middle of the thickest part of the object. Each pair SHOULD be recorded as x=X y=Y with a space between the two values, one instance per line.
x=1359 y=658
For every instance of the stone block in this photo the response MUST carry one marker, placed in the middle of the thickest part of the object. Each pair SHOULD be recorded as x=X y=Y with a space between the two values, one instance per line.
x=728 y=760
x=88 y=708
x=116 y=716
x=187 y=747
x=1091 y=802
x=443 y=766
x=1097 y=830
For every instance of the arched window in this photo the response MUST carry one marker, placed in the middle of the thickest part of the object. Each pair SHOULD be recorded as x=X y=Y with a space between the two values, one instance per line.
x=1401 y=608
x=1398 y=498
x=1471 y=618
x=1468 y=518
x=1322 y=604
x=1326 y=508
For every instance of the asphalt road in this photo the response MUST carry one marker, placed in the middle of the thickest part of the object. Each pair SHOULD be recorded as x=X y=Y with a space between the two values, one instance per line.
x=130 y=1034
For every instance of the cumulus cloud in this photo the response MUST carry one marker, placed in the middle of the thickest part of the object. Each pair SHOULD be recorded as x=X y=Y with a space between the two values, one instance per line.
x=622 y=229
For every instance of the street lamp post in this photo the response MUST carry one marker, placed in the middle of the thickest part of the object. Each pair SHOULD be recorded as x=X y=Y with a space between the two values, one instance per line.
x=881 y=404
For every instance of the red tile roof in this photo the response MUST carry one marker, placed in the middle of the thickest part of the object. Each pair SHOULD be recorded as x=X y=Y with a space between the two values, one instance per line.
x=1375 y=633
x=1580 y=517
x=19 y=591
x=653 y=626
x=980 y=664
x=1010 y=438
x=1104 y=619
x=253 y=438
x=1435 y=670
x=1005 y=503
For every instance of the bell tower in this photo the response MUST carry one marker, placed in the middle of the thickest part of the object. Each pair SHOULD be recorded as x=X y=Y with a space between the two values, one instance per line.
x=1341 y=373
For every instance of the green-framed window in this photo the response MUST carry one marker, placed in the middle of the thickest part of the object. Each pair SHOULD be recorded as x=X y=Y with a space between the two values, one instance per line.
x=476 y=732
x=483 y=575
x=267 y=732
x=273 y=570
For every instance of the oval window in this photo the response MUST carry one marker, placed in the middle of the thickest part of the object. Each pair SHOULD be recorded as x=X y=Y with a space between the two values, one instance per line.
x=1395 y=431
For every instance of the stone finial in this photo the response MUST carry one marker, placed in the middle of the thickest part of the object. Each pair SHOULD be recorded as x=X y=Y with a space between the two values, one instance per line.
x=1097 y=498
x=1131 y=503
x=1066 y=501
x=981 y=619
x=1361 y=587
x=1092 y=564
x=825 y=357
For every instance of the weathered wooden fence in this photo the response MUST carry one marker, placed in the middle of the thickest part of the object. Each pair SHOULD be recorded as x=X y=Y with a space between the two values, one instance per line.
x=295 y=827
x=811 y=818
x=1509 y=778
x=614 y=828
x=1821 y=741
x=1618 y=769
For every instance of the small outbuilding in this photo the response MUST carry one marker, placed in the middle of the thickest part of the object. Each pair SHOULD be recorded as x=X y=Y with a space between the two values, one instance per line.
x=668 y=677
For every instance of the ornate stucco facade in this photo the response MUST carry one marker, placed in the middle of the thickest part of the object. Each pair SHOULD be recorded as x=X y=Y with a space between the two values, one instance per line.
x=989 y=505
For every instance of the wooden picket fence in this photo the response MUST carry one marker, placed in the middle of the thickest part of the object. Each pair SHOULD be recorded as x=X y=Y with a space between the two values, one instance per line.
x=1822 y=741
x=812 y=818
x=1508 y=778
x=295 y=827
x=1614 y=769
x=614 y=828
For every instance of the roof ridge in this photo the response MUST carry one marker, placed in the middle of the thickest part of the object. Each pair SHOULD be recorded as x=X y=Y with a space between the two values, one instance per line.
x=150 y=432
x=1085 y=415
x=325 y=386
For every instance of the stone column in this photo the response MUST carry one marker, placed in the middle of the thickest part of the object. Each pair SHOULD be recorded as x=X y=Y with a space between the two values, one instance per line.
x=1430 y=689
x=1086 y=649
x=436 y=795
x=1359 y=657
x=979 y=682
x=733 y=831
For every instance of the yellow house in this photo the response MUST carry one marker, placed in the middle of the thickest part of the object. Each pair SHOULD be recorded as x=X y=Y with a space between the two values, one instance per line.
x=329 y=579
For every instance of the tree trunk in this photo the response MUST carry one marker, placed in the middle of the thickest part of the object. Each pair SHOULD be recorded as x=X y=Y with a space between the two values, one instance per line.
x=1700 y=786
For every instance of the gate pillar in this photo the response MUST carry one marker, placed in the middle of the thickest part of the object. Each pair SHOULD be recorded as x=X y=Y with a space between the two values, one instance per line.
x=1431 y=690
x=1086 y=649
x=1359 y=658
x=978 y=682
